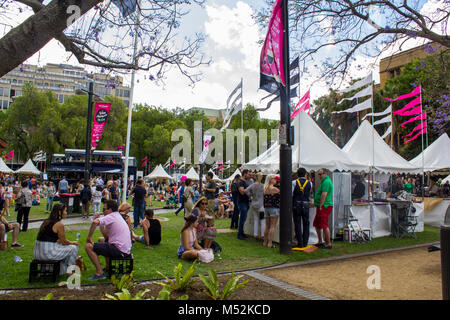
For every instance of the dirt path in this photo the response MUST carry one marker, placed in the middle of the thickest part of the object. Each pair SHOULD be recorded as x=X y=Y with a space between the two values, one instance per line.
x=406 y=275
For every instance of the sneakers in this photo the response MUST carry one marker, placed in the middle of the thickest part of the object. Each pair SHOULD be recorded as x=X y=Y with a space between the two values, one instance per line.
x=242 y=238
x=96 y=277
x=320 y=245
x=16 y=245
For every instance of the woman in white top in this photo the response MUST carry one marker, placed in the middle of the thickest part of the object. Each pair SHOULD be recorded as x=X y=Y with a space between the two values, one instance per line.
x=8 y=198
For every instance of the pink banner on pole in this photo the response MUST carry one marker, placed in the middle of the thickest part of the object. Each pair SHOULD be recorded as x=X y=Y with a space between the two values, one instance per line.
x=424 y=130
x=144 y=162
x=303 y=99
x=416 y=110
x=419 y=127
x=9 y=155
x=422 y=116
x=271 y=59
x=100 y=116
x=305 y=106
x=413 y=103
x=413 y=93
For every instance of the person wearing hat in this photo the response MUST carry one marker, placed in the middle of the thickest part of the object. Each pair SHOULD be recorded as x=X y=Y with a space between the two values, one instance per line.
x=206 y=231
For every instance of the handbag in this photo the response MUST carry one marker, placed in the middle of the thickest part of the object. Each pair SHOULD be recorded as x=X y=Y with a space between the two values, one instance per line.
x=206 y=256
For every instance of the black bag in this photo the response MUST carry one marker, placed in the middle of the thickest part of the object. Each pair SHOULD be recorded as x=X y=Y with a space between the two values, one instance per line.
x=261 y=215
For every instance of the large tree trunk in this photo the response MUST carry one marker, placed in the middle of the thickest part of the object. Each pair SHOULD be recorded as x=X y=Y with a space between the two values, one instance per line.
x=34 y=33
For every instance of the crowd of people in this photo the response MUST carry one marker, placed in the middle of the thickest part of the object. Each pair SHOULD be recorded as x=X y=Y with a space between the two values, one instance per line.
x=250 y=193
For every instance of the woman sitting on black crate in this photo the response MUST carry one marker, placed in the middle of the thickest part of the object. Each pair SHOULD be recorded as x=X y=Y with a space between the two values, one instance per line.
x=51 y=241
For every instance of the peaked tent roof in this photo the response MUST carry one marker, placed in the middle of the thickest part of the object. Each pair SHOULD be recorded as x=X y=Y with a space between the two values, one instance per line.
x=312 y=150
x=158 y=173
x=230 y=178
x=28 y=168
x=377 y=154
x=4 y=168
x=436 y=156
x=192 y=174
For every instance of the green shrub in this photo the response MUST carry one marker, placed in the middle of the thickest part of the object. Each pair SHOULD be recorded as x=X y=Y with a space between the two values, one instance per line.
x=126 y=295
x=125 y=282
x=50 y=297
x=213 y=285
x=180 y=282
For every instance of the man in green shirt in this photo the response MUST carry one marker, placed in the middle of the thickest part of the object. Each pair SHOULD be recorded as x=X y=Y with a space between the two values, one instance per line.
x=323 y=201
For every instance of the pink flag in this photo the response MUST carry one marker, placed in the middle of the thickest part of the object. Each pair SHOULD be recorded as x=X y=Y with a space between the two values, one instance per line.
x=271 y=60
x=304 y=106
x=303 y=99
x=422 y=116
x=413 y=93
x=173 y=163
x=101 y=115
x=414 y=111
x=424 y=130
x=9 y=155
x=413 y=103
x=419 y=127
x=144 y=162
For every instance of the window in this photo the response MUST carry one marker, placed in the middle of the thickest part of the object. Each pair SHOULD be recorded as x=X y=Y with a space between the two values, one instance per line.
x=1 y=91
x=127 y=103
x=14 y=81
x=61 y=98
x=5 y=104
x=121 y=93
x=126 y=93
x=20 y=81
x=5 y=92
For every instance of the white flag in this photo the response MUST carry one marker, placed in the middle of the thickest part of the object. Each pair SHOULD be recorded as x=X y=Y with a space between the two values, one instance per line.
x=364 y=92
x=206 y=144
x=361 y=106
x=382 y=113
x=389 y=130
x=358 y=84
x=234 y=107
x=384 y=120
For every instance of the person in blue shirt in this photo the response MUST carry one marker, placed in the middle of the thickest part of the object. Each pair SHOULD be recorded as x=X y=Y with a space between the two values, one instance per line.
x=180 y=199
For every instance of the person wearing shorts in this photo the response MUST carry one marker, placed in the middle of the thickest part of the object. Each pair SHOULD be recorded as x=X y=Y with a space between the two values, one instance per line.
x=323 y=201
x=117 y=240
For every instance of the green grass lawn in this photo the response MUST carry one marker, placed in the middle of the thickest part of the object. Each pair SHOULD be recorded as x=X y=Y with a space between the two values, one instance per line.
x=39 y=212
x=236 y=254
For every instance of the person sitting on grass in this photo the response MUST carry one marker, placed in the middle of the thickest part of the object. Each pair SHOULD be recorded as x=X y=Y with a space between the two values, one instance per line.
x=51 y=241
x=189 y=244
x=205 y=228
x=117 y=242
x=5 y=227
x=152 y=230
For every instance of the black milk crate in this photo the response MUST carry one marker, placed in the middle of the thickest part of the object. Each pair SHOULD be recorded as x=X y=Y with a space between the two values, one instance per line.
x=118 y=266
x=44 y=270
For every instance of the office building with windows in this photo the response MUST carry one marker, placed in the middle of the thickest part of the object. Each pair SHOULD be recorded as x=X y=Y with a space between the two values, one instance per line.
x=64 y=80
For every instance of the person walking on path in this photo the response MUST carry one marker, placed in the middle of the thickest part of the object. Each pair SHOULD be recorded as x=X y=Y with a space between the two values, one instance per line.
x=300 y=196
x=86 y=197
x=210 y=191
x=24 y=201
x=140 y=194
x=188 y=197
x=243 y=203
x=271 y=209
x=323 y=201
x=51 y=191
x=235 y=195
x=256 y=192
x=181 y=198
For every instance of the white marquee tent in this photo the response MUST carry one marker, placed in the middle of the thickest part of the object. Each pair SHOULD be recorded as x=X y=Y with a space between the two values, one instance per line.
x=436 y=156
x=367 y=147
x=230 y=178
x=4 y=168
x=312 y=150
x=192 y=174
x=215 y=177
x=158 y=173
x=29 y=168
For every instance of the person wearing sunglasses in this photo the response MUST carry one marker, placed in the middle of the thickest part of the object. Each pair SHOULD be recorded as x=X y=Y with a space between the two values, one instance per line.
x=323 y=201
x=206 y=231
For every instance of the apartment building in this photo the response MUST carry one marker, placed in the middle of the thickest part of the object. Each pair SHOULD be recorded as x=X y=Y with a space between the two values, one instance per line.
x=64 y=80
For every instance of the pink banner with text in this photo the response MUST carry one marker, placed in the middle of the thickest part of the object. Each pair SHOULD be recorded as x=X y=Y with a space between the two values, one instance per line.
x=100 y=116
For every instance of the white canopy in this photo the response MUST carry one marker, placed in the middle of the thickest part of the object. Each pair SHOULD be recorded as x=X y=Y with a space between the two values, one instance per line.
x=4 y=168
x=367 y=147
x=215 y=177
x=436 y=156
x=159 y=173
x=192 y=174
x=230 y=178
x=29 y=168
x=312 y=150
x=446 y=179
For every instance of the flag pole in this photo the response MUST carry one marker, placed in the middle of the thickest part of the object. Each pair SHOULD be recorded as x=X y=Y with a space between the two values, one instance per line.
x=285 y=145
x=130 y=106
x=373 y=142
x=242 y=122
x=423 y=155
